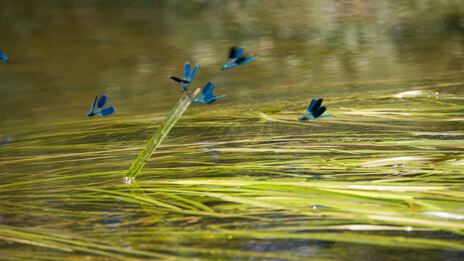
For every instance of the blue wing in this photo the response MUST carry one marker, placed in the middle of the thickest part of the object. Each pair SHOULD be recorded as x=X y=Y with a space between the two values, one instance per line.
x=3 y=57
x=102 y=101
x=239 y=61
x=235 y=58
x=315 y=110
x=207 y=95
x=178 y=79
x=194 y=72
x=238 y=53
x=107 y=111
x=233 y=51
x=92 y=108
x=207 y=92
x=186 y=70
x=318 y=112
x=314 y=105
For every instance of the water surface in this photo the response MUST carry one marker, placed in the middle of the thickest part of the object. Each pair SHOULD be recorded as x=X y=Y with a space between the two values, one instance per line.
x=230 y=182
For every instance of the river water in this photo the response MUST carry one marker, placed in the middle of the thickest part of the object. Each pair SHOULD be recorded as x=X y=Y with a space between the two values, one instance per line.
x=354 y=54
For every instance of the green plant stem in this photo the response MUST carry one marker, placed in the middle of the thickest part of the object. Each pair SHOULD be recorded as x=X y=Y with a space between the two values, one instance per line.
x=162 y=132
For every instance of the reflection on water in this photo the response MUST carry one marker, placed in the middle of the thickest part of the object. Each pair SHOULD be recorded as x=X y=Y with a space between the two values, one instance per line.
x=5 y=139
x=65 y=52
x=224 y=171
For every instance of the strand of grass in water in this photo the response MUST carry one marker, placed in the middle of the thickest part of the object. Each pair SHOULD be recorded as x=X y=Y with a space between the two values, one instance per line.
x=162 y=132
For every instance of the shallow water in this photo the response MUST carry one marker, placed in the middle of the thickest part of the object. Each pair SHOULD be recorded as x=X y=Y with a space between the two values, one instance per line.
x=240 y=178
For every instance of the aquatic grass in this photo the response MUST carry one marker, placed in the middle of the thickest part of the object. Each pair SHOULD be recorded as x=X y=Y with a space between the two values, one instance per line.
x=158 y=137
x=346 y=237
x=260 y=192
x=328 y=205
x=252 y=182
x=67 y=244
x=45 y=180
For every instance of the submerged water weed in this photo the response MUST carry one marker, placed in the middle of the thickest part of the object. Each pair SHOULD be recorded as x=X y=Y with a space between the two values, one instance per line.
x=368 y=175
x=380 y=178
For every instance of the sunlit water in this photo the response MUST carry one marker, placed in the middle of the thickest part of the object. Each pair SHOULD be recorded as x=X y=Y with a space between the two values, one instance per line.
x=353 y=54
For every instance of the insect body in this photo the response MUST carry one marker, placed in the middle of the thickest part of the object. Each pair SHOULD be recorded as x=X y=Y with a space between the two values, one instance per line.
x=101 y=102
x=315 y=110
x=207 y=95
x=3 y=57
x=187 y=76
x=236 y=58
